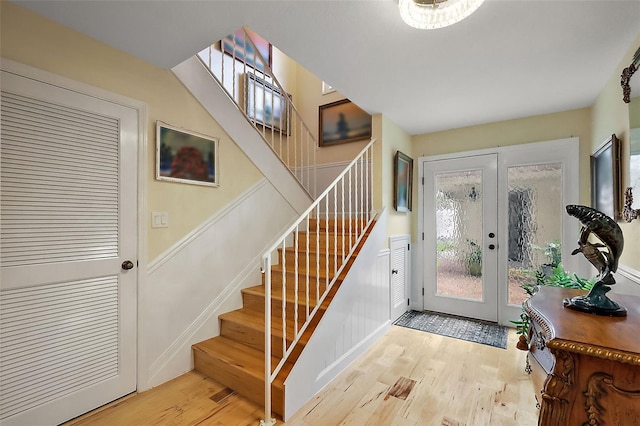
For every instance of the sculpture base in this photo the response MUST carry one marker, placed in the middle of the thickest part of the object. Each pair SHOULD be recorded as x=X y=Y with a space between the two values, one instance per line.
x=596 y=302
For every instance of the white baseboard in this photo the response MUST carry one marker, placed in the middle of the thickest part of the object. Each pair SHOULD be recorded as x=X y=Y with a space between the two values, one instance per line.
x=630 y=273
x=628 y=281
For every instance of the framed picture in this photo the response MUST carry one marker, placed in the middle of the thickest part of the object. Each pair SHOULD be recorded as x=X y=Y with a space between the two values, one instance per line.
x=236 y=46
x=265 y=104
x=341 y=122
x=186 y=157
x=402 y=182
x=605 y=178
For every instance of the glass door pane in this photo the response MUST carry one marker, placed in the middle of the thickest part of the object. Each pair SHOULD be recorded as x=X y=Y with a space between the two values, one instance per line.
x=459 y=234
x=535 y=228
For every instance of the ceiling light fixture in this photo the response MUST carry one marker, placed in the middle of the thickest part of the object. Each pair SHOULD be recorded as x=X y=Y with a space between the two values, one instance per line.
x=432 y=14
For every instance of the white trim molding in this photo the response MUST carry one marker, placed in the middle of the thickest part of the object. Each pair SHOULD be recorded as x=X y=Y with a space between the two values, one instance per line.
x=184 y=242
x=628 y=281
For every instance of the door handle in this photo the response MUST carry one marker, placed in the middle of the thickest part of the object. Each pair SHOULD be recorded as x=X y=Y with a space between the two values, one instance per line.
x=127 y=264
x=492 y=246
x=394 y=271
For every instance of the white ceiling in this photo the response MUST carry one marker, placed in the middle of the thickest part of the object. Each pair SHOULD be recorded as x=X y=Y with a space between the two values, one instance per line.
x=510 y=59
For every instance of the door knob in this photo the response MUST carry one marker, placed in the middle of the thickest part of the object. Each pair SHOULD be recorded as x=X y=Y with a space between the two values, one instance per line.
x=492 y=246
x=394 y=271
x=127 y=264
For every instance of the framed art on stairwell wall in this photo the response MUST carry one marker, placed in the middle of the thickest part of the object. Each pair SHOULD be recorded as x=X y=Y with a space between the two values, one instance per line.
x=341 y=122
x=184 y=156
x=265 y=104
x=402 y=182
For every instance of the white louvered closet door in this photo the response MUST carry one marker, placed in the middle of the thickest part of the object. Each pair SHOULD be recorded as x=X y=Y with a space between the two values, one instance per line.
x=69 y=208
x=399 y=247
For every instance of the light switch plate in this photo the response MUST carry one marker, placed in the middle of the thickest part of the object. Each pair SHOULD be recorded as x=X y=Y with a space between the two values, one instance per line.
x=159 y=219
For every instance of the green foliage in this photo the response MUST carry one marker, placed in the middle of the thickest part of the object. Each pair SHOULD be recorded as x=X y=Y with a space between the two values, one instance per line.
x=553 y=251
x=522 y=326
x=444 y=246
x=473 y=259
x=558 y=278
x=562 y=278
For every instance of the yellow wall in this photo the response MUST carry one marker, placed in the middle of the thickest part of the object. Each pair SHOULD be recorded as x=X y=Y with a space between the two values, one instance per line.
x=515 y=132
x=307 y=105
x=395 y=139
x=41 y=43
x=611 y=115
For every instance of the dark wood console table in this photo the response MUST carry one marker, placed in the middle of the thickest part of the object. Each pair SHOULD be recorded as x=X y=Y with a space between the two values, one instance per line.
x=585 y=368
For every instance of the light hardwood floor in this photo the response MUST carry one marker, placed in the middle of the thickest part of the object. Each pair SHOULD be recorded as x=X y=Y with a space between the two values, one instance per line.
x=438 y=381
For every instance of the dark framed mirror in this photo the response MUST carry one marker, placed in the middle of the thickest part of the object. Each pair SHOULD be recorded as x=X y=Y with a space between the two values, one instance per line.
x=605 y=178
x=631 y=95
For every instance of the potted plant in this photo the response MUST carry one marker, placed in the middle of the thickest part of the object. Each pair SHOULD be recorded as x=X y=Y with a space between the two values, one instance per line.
x=473 y=259
x=553 y=252
x=558 y=277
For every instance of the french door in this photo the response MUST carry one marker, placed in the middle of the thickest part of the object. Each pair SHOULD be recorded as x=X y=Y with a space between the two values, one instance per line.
x=491 y=220
x=460 y=212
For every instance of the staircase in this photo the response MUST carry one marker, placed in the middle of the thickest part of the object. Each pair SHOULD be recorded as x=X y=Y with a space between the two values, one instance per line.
x=260 y=343
x=236 y=357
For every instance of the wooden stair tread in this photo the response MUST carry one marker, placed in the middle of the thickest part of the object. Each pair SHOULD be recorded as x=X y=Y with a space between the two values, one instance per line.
x=254 y=320
x=236 y=354
x=276 y=291
x=276 y=294
x=313 y=223
x=302 y=271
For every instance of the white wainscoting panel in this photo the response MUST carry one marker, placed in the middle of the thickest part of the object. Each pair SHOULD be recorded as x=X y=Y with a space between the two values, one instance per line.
x=356 y=318
x=627 y=281
x=202 y=275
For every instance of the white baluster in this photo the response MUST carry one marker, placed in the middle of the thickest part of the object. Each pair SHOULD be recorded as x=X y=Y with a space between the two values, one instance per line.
x=308 y=269
x=267 y=335
x=343 y=217
x=368 y=209
x=296 y=285
x=355 y=203
x=335 y=232
x=318 y=253
x=284 y=298
x=326 y=243
x=350 y=209
x=362 y=195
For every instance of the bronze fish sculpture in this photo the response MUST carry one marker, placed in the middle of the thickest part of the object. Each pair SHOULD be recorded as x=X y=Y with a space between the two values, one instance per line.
x=603 y=256
x=603 y=227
